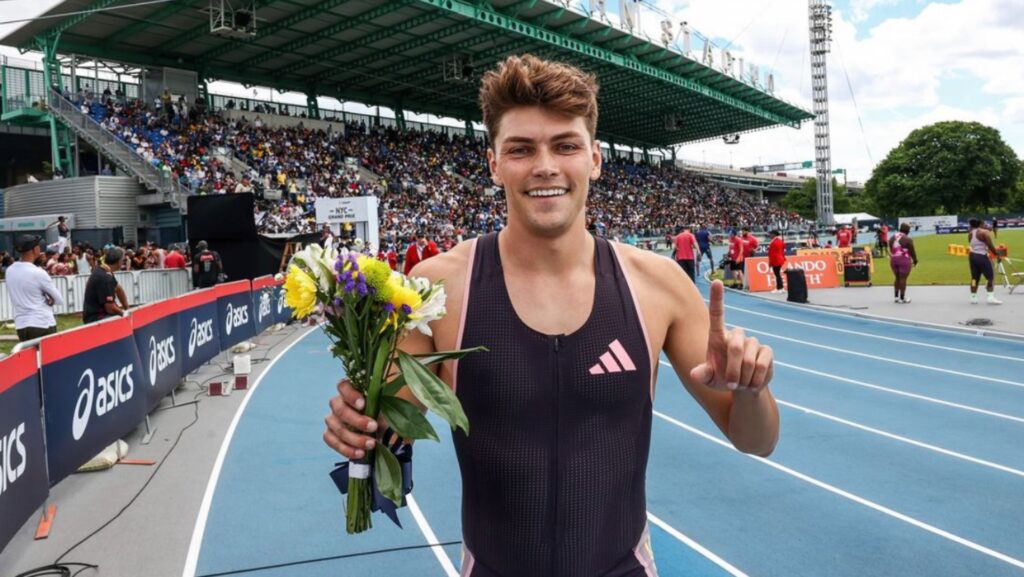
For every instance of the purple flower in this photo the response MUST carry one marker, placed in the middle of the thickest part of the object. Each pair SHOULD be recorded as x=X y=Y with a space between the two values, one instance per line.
x=361 y=288
x=350 y=286
x=389 y=308
x=407 y=309
x=361 y=278
x=337 y=302
x=338 y=264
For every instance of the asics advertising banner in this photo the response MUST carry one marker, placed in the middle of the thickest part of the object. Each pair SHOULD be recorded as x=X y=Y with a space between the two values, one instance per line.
x=264 y=297
x=282 y=312
x=199 y=328
x=23 y=485
x=92 y=392
x=158 y=338
x=234 y=311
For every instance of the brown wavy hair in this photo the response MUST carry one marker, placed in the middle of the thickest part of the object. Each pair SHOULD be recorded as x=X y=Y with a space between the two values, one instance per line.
x=530 y=81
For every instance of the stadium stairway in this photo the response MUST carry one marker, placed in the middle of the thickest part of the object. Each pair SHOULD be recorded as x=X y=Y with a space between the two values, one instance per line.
x=165 y=189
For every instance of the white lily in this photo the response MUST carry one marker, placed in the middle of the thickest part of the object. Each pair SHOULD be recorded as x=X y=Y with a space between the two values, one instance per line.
x=430 y=310
x=319 y=262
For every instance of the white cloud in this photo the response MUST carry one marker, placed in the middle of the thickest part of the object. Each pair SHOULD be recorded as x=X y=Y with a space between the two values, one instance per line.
x=896 y=70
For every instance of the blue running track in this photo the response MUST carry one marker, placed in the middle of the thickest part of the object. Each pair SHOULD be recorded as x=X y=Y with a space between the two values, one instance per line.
x=902 y=453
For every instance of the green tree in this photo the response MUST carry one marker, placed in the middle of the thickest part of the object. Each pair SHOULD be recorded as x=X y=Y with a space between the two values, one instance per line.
x=947 y=166
x=1016 y=201
x=804 y=200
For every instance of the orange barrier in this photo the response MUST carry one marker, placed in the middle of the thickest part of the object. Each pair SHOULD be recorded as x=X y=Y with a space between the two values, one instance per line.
x=821 y=271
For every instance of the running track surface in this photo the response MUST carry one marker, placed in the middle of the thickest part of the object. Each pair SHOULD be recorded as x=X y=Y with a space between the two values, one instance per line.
x=901 y=453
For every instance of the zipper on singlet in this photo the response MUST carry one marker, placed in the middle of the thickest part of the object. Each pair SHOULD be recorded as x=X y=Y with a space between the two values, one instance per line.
x=558 y=458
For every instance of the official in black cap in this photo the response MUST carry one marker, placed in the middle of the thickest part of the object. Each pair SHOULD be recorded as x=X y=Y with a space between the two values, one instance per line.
x=32 y=292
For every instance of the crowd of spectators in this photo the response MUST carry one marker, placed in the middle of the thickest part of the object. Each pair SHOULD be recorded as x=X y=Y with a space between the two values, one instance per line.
x=426 y=182
x=82 y=258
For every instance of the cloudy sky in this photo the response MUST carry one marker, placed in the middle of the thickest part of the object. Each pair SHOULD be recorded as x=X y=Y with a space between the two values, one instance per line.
x=895 y=65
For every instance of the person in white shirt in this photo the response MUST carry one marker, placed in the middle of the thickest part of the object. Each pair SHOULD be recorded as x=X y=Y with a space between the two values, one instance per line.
x=32 y=293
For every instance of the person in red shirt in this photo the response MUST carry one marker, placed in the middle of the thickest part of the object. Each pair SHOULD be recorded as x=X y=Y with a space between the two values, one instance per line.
x=175 y=259
x=389 y=256
x=883 y=240
x=736 y=250
x=750 y=244
x=685 y=242
x=420 y=250
x=777 y=258
x=843 y=237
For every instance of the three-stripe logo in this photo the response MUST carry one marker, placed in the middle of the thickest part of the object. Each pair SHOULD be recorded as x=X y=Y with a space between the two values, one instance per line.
x=614 y=360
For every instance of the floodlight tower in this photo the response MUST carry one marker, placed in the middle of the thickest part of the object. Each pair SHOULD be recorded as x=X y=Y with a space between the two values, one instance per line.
x=820 y=14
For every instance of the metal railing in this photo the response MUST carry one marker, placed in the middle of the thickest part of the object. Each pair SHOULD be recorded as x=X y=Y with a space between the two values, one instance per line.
x=117 y=150
x=140 y=286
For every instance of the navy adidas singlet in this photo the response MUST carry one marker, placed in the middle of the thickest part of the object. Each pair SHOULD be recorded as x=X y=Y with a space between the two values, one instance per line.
x=554 y=467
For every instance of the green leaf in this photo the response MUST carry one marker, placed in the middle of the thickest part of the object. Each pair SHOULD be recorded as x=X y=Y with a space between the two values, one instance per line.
x=436 y=357
x=433 y=392
x=391 y=389
x=388 y=474
x=406 y=419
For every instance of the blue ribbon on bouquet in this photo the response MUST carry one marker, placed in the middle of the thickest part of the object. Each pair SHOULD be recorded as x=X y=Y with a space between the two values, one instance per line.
x=403 y=453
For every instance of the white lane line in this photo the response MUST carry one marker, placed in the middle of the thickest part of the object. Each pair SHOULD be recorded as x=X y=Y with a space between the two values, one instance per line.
x=428 y=534
x=192 y=559
x=696 y=546
x=883 y=359
x=902 y=439
x=891 y=321
x=857 y=499
x=1019 y=359
x=895 y=392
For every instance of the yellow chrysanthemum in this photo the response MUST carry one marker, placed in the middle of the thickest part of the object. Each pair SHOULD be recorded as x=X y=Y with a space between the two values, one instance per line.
x=377 y=274
x=300 y=292
x=402 y=295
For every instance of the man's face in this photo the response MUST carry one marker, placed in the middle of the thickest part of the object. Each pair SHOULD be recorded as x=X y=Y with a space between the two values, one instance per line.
x=422 y=242
x=537 y=150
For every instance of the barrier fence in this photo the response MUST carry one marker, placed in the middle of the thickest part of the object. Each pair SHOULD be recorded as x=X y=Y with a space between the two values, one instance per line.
x=140 y=286
x=65 y=399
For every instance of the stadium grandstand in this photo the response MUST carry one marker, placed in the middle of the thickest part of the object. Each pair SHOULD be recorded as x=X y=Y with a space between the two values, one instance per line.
x=145 y=113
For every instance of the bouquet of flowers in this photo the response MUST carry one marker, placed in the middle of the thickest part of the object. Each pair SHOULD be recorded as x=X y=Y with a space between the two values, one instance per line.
x=367 y=309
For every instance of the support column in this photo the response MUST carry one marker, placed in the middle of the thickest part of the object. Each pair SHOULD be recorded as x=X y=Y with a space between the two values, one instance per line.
x=400 y=119
x=60 y=141
x=312 y=106
x=470 y=133
x=647 y=157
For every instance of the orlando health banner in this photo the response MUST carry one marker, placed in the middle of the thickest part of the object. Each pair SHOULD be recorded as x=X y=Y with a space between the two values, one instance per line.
x=158 y=338
x=23 y=485
x=264 y=297
x=92 y=392
x=234 y=311
x=198 y=327
x=820 y=271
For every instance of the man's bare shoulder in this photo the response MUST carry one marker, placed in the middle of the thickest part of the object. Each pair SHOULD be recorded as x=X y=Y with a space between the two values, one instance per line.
x=649 y=270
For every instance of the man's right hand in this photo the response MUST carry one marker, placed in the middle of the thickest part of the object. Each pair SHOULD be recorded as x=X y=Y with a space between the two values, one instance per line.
x=346 y=423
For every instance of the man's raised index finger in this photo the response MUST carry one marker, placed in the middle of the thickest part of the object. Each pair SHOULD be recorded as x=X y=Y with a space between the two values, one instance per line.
x=716 y=307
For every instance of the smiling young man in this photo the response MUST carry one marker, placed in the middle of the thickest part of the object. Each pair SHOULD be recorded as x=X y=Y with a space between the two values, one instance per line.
x=560 y=407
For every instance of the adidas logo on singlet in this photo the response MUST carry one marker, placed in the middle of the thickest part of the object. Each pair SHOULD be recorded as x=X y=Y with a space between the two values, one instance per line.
x=614 y=360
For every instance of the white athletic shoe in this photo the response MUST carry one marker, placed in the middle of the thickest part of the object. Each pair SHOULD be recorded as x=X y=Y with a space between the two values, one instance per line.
x=905 y=301
x=992 y=300
x=974 y=299
x=897 y=300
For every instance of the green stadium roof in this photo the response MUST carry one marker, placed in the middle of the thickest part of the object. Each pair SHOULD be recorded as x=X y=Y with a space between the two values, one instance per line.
x=392 y=54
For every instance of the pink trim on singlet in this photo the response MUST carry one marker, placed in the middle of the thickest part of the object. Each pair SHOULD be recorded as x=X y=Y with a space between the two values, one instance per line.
x=468 y=561
x=639 y=315
x=646 y=561
x=462 y=315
